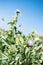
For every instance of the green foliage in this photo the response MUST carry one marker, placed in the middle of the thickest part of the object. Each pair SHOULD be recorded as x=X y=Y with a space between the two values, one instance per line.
x=14 y=49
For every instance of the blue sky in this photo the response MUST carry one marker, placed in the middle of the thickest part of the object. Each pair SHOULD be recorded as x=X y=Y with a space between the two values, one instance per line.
x=31 y=17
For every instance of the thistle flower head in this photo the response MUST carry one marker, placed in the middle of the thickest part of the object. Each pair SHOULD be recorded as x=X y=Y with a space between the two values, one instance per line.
x=30 y=42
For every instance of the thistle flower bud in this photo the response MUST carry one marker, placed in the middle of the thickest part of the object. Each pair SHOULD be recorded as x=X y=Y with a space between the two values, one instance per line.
x=17 y=11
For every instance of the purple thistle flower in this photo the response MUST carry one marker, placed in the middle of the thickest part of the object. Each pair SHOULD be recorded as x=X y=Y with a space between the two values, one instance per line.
x=30 y=42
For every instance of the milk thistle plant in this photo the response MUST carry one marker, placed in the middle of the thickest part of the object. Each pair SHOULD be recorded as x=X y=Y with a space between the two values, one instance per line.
x=18 y=49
